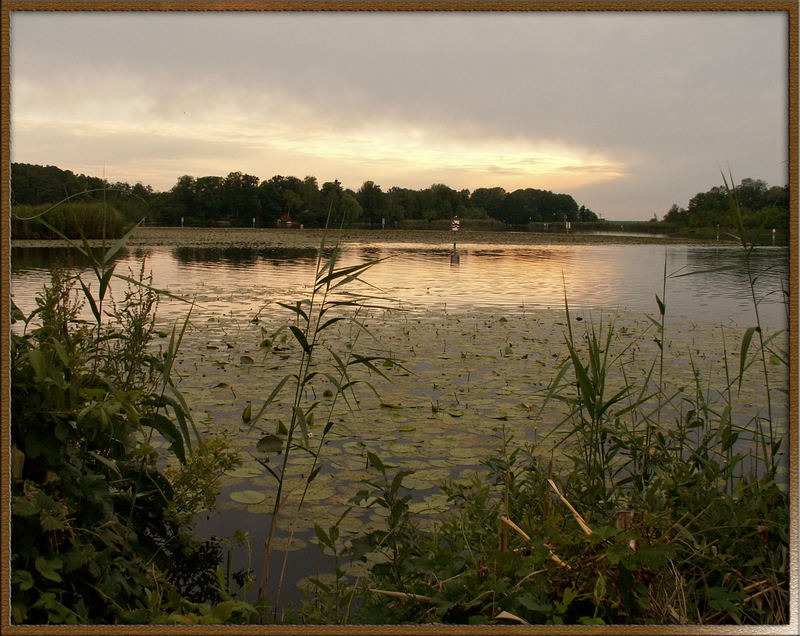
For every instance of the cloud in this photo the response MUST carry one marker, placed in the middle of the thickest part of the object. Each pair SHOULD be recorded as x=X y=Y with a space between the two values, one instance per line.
x=630 y=110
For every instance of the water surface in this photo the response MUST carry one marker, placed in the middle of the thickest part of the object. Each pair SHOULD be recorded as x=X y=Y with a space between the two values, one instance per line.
x=607 y=278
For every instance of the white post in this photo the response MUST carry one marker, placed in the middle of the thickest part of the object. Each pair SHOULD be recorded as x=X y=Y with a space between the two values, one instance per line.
x=254 y=222
x=181 y=221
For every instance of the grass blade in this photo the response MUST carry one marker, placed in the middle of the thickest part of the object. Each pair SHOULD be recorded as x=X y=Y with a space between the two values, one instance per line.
x=748 y=337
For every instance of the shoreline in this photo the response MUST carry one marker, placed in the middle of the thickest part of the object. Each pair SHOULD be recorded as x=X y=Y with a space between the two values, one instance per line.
x=312 y=237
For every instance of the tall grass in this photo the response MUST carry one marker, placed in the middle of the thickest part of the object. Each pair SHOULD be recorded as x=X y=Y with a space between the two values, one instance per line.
x=94 y=220
x=330 y=306
x=98 y=529
x=667 y=508
x=643 y=524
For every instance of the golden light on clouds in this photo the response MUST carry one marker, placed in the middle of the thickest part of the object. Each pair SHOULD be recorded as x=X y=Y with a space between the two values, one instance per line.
x=480 y=163
x=200 y=130
x=628 y=113
x=389 y=154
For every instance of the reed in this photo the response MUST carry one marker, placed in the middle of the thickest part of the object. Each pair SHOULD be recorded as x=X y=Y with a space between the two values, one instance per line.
x=330 y=306
x=667 y=510
x=94 y=220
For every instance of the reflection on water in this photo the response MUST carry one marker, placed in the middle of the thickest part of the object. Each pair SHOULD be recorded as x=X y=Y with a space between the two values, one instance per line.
x=595 y=277
x=33 y=259
x=242 y=256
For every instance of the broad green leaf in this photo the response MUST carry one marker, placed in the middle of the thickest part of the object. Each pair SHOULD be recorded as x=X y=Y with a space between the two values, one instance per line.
x=23 y=578
x=296 y=308
x=38 y=363
x=92 y=304
x=301 y=421
x=375 y=461
x=165 y=426
x=108 y=463
x=104 y=280
x=47 y=568
x=314 y=474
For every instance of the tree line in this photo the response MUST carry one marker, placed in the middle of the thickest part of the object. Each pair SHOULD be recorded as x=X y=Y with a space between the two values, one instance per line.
x=241 y=199
x=760 y=203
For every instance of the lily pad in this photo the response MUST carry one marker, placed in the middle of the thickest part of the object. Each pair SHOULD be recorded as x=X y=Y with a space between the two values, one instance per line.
x=245 y=471
x=270 y=444
x=282 y=544
x=249 y=497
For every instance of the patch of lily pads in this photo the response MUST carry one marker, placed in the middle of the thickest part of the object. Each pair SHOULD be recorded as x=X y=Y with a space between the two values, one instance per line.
x=465 y=378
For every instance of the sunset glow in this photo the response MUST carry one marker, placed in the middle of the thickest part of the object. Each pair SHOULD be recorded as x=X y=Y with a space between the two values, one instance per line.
x=624 y=117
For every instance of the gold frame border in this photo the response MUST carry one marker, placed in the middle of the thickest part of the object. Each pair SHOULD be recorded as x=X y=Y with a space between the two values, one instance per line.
x=10 y=6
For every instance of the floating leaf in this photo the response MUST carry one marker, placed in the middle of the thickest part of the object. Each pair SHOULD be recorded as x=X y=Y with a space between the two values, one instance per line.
x=270 y=444
x=249 y=497
x=246 y=360
x=244 y=471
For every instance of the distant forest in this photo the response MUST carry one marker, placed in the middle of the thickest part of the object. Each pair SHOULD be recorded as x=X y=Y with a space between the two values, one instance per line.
x=238 y=198
x=759 y=202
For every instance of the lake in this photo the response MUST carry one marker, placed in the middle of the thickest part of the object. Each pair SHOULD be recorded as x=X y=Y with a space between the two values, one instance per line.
x=480 y=333
x=239 y=281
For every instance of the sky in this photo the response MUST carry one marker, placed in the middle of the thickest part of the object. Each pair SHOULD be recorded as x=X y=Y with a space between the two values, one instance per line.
x=629 y=112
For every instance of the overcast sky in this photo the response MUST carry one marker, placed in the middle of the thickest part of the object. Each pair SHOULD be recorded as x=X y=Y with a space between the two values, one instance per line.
x=627 y=112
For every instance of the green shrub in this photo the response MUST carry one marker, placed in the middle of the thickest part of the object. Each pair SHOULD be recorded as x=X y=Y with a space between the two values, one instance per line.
x=95 y=537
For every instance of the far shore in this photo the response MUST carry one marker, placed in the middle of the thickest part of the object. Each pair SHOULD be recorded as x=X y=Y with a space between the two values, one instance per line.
x=311 y=237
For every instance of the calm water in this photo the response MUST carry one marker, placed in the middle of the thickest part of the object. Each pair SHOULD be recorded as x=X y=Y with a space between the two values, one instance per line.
x=239 y=281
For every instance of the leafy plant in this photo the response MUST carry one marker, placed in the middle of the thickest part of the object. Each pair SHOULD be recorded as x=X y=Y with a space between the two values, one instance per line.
x=658 y=518
x=95 y=535
x=329 y=307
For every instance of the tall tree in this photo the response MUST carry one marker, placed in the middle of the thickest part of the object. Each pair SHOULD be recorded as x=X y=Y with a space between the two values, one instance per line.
x=240 y=198
x=489 y=199
x=373 y=201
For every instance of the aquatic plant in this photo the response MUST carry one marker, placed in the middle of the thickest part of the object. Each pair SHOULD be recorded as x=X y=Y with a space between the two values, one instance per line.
x=70 y=219
x=656 y=517
x=330 y=306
